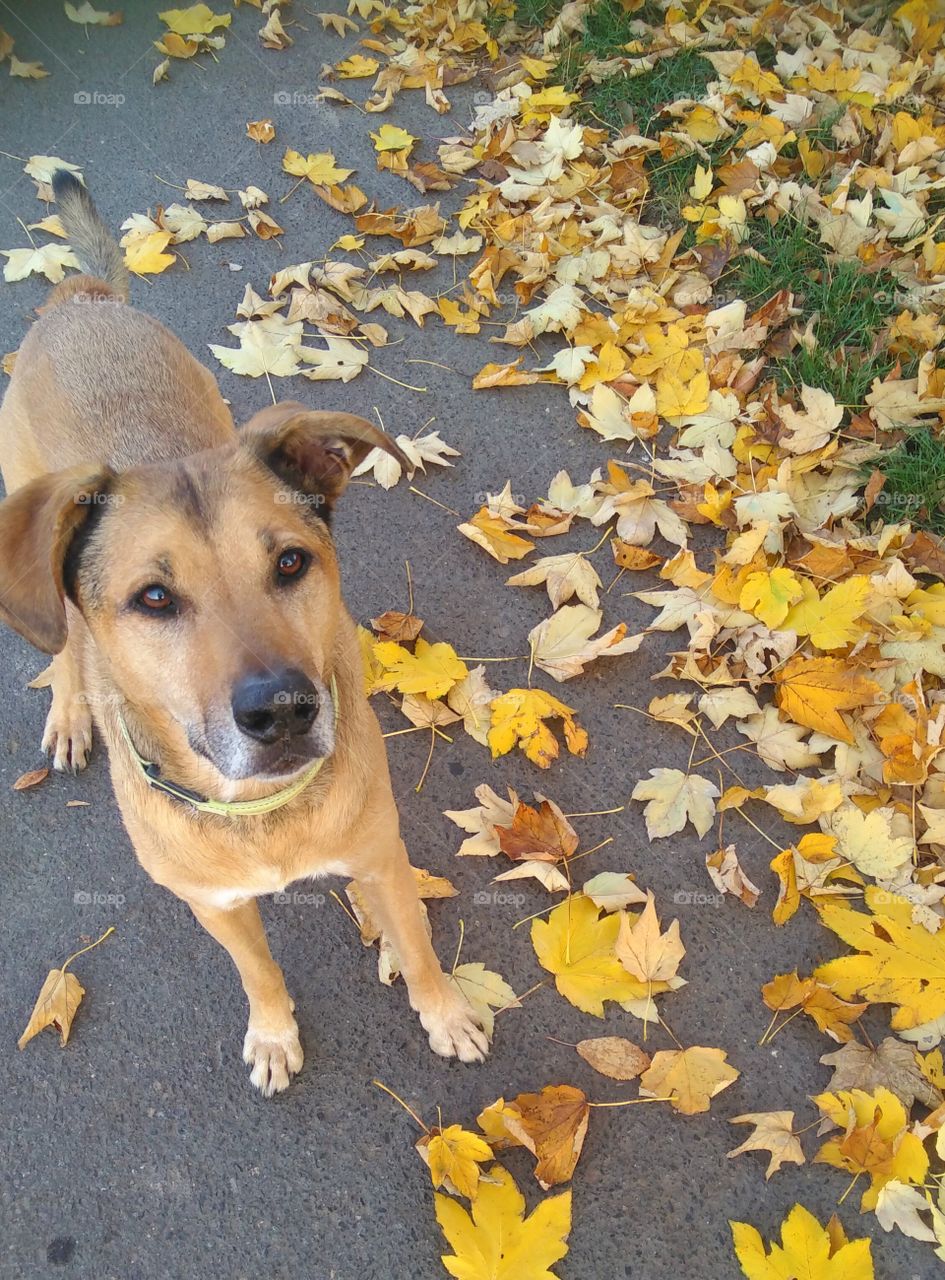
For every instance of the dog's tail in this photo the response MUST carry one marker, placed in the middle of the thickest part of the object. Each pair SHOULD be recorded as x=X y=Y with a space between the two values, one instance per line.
x=93 y=243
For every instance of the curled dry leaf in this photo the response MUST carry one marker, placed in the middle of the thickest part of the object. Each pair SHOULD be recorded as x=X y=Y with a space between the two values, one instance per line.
x=551 y=1124
x=402 y=628
x=261 y=130
x=32 y=778
x=728 y=877
x=562 y=644
x=55 y=1006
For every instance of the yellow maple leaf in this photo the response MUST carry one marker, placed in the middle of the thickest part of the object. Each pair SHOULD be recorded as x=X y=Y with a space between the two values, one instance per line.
x=432 y=669
x=372 y=670
x=497 y=1241
x=807 y=1251
x=677 y=397
x=830 y=620
x=390 y=137
x=769 y=596
x=647 y=954
x=453 y=1155
x=876 y=1140
x=676 y=798
x=610 y=364
x=493 y=534
x=551 y=101
x=577 y=945
x=357 y=67
x=898 y=962
x=814 y=691
x=320 y=169
x=715 y=503
x=687 y=1078
x=145 y=254
x=518 y=720
x=702 y=125
x=198 y=20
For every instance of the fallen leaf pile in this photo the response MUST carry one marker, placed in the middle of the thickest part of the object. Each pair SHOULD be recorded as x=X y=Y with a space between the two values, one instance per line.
x=740 y=496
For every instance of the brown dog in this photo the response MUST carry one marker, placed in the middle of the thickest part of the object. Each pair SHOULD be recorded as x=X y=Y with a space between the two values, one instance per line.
x=184 y=576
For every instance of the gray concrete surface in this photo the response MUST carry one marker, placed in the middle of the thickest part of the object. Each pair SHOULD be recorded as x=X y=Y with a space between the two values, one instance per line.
x=142 y=1152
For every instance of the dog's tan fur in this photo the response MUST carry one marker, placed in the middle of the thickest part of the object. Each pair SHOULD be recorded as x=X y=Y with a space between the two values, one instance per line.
x=122 y=466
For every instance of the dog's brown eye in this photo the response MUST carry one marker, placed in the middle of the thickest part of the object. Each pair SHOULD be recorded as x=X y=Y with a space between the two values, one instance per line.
x=292 y=563
x=156 y=599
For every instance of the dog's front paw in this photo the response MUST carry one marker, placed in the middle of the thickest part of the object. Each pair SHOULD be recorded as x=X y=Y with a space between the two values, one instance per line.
x=454 y=1028
x=275 y=1056
x=67 y=737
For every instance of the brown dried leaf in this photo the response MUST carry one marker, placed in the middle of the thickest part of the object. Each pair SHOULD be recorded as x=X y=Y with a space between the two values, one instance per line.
x=614 y=1056
x=401 y=627
x=32 y=778
x=541 y=835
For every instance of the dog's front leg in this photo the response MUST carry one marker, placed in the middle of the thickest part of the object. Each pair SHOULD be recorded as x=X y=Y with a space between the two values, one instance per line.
x=67 y=737
x=389 y=889
x=272 y=1046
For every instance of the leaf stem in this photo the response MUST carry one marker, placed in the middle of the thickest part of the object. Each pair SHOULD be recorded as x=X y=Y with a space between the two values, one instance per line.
x=91 y=947
x=397 y=1098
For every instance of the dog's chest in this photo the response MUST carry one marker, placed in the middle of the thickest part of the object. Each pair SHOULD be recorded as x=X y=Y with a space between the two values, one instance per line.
x=221 y=864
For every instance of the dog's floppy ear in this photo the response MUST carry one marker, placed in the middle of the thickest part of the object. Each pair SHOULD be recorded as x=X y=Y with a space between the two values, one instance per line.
x=37 y=525
x=314 y=450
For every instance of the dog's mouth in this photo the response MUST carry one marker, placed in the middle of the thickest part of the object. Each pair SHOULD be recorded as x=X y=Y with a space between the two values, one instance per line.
x=287 y=761
x=239 y=757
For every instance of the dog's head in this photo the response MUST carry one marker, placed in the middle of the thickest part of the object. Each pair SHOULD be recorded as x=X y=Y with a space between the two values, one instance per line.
x=209 y=583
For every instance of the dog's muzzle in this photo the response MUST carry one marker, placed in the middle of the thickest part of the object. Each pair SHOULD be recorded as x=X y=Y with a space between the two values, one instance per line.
x=274 y=706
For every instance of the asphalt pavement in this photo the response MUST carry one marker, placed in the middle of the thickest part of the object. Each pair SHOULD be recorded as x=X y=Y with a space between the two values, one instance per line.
x=141 y=1151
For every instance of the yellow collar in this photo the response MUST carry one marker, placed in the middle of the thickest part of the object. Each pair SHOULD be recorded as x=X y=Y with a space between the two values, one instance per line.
x=223 y=808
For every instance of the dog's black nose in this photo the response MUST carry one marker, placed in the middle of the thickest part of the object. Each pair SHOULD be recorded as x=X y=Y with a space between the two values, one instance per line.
x=269 y=705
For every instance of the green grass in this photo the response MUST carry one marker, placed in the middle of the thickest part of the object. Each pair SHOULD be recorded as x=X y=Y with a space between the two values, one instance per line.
x=537 y=13
x=670 y=181
x=915 y=482
x=852 y=306
x=637 y=100
x=609 y=27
